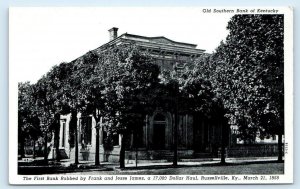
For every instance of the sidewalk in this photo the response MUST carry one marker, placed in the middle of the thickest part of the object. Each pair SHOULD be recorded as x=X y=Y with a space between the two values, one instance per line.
x=198 y=162
x=67 y=165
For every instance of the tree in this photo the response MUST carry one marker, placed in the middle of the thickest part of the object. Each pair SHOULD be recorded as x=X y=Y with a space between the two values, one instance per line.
x=43 y=106
x=82 y=92
x=249 y=74
x=28 y=121
x=70 y=97
x=50 y=100
x=200 y=99
x=91 y=89
x=166 y=96
x=129 y=74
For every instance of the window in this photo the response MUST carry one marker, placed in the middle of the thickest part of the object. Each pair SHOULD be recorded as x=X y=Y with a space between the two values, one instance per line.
x=179 y=68
x=63 y=133
x=116 y=139
x=86 y=130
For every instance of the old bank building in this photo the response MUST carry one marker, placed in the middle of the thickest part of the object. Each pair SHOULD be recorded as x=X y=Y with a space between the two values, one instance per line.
x=197 y=137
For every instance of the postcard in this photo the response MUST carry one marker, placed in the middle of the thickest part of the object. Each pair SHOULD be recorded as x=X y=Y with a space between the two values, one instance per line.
x=150 y=95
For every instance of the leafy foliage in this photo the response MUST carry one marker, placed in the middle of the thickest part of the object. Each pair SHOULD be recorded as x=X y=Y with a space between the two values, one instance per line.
x=28 y=121
x=248 y=74
x=128 y=76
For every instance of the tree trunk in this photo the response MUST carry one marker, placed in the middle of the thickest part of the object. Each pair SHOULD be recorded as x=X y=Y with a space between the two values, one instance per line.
x=175 y=158
x=122 y=151
x=136 y=149
x=74 y=126
x=223 y=154
x=45 y=149
x=280 y=154
x=76 y=141
x=97 y=161
x=33 y=154
x=175 y=139
x=56 y=137
x=223 y=137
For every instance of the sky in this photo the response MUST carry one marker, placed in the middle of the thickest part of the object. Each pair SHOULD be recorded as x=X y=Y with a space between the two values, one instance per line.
x=40 y=38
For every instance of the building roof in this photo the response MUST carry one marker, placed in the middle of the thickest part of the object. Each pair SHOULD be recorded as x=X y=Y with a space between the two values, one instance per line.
x=159 y=39
x=159 y=43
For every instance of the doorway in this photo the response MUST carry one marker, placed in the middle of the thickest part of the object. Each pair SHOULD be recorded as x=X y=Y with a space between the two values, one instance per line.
x=159 y=132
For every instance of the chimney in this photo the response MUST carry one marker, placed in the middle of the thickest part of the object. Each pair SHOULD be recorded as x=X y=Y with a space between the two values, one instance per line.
x=113 y=33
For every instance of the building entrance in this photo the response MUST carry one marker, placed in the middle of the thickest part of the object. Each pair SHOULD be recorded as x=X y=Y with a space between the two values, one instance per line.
x=159 y=132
